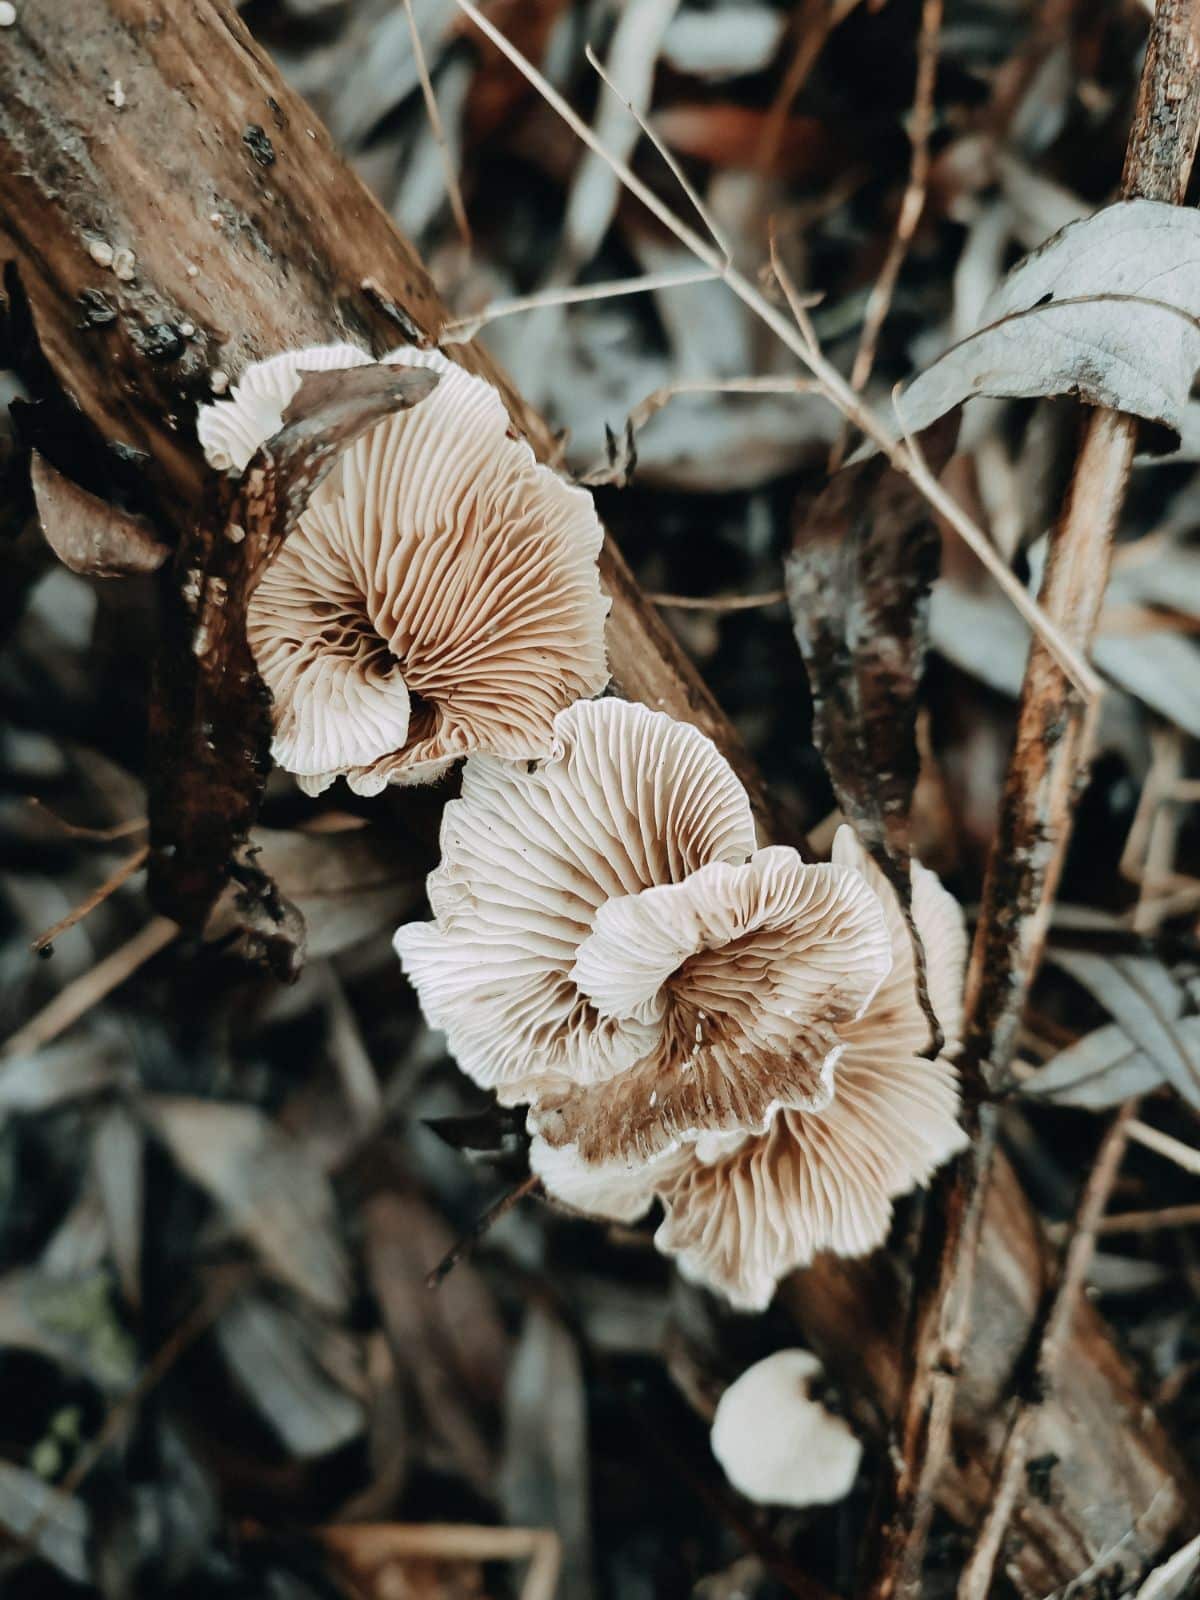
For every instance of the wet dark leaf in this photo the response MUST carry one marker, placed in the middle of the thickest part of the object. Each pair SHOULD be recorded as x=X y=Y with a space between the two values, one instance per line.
x=863 y=561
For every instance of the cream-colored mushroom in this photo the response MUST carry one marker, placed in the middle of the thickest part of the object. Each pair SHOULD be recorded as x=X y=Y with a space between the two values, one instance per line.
x=609 y=946
x=231 y=430
x=776 y=1444
x=440 y=595
x=816 y=1182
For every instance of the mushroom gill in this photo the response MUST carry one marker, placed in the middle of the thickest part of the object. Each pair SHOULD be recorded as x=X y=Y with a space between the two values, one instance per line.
x=439 y=596
x=609 y=947
x=740 y=1222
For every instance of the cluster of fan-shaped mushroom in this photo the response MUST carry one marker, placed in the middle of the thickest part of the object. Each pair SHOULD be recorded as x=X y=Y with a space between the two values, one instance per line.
x=731 y=1031
x=440 y=594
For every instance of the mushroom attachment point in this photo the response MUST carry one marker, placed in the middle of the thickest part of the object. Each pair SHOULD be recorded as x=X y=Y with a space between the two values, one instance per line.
x=439 y=596
x=610 y=948
x=776 y=1444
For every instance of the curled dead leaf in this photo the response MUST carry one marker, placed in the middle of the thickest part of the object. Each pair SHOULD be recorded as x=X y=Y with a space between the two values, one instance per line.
x=87 y=534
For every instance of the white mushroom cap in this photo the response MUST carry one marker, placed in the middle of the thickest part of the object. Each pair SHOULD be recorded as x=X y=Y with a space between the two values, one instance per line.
x=826 y=1181
x=604 y=949
x=630 y=799
x=746 y=975
x=439 y=596
x=775 y=1444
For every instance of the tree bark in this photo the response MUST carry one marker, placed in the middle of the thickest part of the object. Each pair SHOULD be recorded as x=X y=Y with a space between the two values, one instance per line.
x=222 y=204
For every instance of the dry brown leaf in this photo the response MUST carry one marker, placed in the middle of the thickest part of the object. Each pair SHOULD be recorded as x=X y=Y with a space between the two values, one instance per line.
x=88 y=534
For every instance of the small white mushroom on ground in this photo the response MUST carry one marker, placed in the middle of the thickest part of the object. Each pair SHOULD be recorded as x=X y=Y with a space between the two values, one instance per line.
x=776 y=1444
x=439 y=596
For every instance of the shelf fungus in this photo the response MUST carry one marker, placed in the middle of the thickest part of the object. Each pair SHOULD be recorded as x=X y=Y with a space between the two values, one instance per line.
x=777 y=1444
x=440 y=595
x=731 y=1030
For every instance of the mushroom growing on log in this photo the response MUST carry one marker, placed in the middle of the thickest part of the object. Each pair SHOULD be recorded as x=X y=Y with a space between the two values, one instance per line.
x=260 y=257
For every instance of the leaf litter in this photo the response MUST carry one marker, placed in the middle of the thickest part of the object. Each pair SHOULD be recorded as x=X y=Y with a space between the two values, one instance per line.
x=189 y=1122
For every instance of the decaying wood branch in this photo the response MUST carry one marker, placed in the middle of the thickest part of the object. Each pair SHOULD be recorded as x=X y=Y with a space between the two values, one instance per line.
x=209 y=221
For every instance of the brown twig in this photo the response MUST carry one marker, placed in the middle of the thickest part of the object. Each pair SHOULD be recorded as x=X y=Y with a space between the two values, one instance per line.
x=1044 y=775
x=483 y=1224
x=718 y=602
x=937 y=1338
x=111 y=884
x=1151 y=1221
x=90 y=988
x=119 y=830
x=976 y=1579
x=911 y=207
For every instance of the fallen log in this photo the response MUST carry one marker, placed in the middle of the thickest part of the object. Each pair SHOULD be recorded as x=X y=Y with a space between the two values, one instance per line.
x=170 y=210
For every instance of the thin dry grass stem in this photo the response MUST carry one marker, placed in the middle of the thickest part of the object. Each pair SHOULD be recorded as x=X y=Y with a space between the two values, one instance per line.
x=832 y=384
x=677 y=172
x=86 y=991
x=453 y=190
x=120 y=830
x=658 y=398
x=975 y=1581
x=1151 y=1221
x=798 y=304
x=463 y=329
x=1160 y=908
x=111 y=884
x=1084 y=676
x=722 y=602
x=1160 y=788
x=530 y=1185
x=911 y=206
x=1185 y=1156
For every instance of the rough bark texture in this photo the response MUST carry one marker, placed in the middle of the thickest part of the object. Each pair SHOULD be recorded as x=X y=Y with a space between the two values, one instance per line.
x=213 y=165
